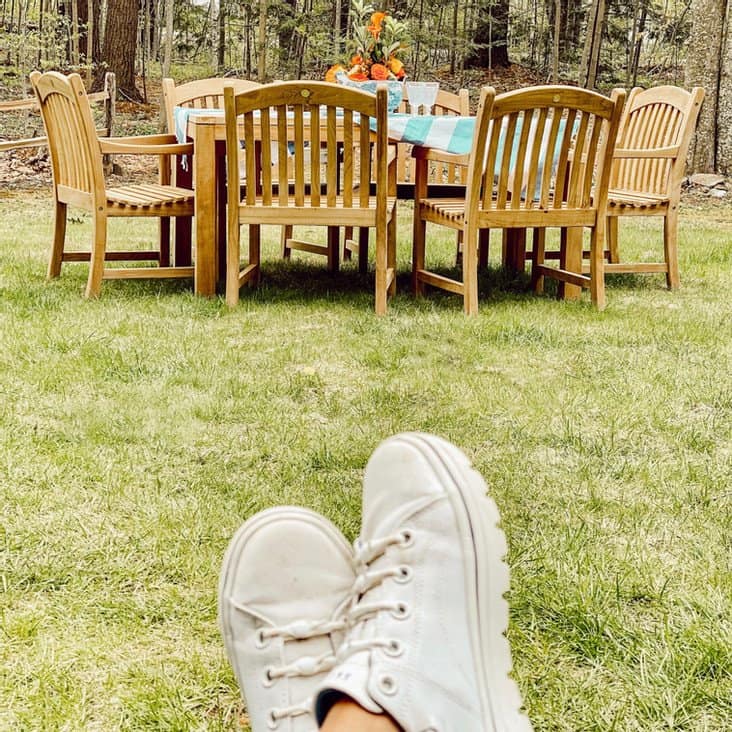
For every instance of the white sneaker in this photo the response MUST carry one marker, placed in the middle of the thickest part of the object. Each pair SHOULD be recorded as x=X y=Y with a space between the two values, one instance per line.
x=426 y=641
x=283 y=592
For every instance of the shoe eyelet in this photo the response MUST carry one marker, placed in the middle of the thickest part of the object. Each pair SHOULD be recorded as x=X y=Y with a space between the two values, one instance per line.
x=387 y=684
x=404 y=575
x=272 y=720
x=268 y=679
x=259 y=639
x=394 y=649
x=407 y=537
x=401 y=611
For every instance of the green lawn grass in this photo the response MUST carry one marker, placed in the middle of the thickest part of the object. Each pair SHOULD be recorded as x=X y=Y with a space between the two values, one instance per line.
x=137 y=432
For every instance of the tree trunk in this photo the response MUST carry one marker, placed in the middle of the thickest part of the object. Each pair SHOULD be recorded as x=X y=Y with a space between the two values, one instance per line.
x=120 y=46
x=221 y=41
x=593 y=40
x=570 y=15
x=557 y=36
x=212 y=31
x=168 y=38
x=491 y=36
x=262 y=42
x=704 y=67
x=724 y=116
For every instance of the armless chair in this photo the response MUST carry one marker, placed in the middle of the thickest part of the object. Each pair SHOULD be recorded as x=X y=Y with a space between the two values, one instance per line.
x=648 y=167
x=78 y=180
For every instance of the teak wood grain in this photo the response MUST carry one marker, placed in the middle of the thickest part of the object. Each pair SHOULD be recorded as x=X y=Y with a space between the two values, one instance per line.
x=78 y=180
x=648 y=167
x=573 y=131
x=328 y=187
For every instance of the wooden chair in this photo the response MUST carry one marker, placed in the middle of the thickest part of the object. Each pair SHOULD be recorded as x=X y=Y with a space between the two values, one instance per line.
x=78 y=180
x=516 y=136
x=337 y=194
x=199 y=94
x=648 y=167
x=444 y=174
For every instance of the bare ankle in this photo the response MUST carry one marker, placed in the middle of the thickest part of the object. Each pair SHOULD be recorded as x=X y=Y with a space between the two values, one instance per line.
x=345 y=714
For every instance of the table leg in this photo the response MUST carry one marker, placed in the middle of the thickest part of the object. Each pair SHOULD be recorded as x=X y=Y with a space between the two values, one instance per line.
x=221 y=211
x=205 y=196
x=183 y=225
x=572 y=262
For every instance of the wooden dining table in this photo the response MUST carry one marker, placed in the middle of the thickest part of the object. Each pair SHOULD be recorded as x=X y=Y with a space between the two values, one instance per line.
x=207 y=130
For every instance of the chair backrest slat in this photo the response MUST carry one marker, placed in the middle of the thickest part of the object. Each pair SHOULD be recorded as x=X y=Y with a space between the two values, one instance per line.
x=349 y=165
x=329 y=132
x=548 y=149
x=72 y=139
x=199 y=94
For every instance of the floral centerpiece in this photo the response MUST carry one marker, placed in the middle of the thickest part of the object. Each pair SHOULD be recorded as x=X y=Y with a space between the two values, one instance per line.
x=376 y=42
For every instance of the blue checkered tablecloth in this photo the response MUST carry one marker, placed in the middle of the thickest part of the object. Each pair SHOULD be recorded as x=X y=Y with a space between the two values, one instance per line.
x=449 y=133
x=452 y=134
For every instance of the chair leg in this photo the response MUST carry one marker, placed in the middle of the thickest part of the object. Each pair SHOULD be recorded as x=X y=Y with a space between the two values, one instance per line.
x=539 y=244
x=470 y=272
x=96 y=261
x=347 y=235
x=381 y=265
x=459 y=249
x=612 y=239
x=59 y=236
x=597 y=264
x=391 y=256
x=514 y=248
x=255 y=250
x=333 y=248
x=286 y=235
x=363 y=249
x=164 y=229
x=419 y=230
x=233 y=245
x=670 y=247
x=573 y=261
x=484 y=239
x=183 y=226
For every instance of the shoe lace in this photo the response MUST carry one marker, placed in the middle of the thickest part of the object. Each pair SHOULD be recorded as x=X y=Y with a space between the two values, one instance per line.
x=361 y=609
x=303 y=666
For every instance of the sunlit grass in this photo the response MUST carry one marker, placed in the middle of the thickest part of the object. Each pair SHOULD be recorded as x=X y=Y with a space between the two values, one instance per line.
x=139 y=430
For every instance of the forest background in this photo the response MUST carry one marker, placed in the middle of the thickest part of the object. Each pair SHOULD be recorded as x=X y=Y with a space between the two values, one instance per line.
x=594 y=43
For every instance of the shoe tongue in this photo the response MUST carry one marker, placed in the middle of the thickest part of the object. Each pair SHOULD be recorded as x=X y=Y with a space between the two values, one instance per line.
x=349 y=679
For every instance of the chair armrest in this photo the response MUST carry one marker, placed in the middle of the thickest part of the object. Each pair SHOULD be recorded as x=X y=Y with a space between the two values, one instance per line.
x=670 y=151
x=145 y=145
x=430 y=153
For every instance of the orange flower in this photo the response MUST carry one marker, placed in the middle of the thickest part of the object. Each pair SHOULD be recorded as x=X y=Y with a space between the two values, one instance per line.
x=358 y=76
x=330 y=74
x=379 y=72
x=356 y=60
x=396 y=67
x=376 y=20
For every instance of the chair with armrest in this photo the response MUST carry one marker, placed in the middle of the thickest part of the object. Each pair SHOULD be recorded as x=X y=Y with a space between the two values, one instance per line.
x=446 y=176
x=198 y=94
x=78 y=180
x=511 y=182
x=335 y=122
x=648 y=167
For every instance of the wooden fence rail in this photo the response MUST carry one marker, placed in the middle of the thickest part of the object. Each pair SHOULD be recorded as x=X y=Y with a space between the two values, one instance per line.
x=107 y=96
